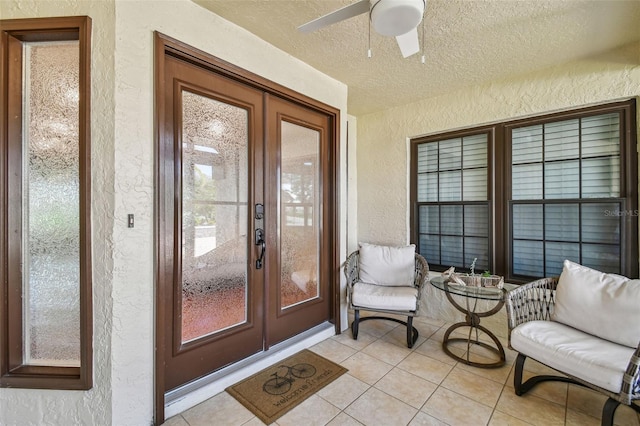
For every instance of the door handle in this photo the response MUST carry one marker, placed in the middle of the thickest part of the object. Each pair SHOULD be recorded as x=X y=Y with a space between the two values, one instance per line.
x=263 y=247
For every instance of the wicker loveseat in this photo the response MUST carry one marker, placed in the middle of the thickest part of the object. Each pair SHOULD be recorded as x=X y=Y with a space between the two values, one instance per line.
x=584 y=324
x=386 y=280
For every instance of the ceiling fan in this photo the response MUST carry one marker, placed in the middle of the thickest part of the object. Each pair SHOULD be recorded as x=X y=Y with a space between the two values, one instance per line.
x=397 y=18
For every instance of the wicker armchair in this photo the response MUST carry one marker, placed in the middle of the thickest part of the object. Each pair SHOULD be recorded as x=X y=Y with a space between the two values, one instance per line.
x=352 y=272
x=535 y=302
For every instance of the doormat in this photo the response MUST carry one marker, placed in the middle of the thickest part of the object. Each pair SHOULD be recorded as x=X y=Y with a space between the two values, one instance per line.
x=277 y=389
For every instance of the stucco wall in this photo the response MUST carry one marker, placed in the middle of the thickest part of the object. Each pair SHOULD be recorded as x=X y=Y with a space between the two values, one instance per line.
x=133 y=273
x=123 y=163
x=36 y=407
x=383 y=138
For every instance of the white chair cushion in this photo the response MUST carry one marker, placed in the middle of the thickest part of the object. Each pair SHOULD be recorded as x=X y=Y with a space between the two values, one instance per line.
x=392 y=298
x=573 y=352
x=384 y=265
x=605 y=305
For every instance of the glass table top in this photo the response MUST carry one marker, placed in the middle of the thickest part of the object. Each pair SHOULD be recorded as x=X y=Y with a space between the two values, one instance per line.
x=486 y=293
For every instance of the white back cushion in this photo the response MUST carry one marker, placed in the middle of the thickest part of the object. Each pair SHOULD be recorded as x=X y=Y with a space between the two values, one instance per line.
x=605 y=305
x=384 y=265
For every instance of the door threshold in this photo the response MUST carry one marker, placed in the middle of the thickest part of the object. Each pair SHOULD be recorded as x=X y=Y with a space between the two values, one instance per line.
x=199 y=390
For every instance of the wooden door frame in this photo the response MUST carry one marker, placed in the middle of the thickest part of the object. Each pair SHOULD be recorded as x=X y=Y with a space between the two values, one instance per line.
x=165 y=45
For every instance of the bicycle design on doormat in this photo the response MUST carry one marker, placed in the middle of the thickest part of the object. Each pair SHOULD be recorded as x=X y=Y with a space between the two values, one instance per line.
x=280 y=384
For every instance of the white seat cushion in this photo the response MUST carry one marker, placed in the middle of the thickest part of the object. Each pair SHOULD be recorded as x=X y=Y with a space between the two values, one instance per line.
x=573 y=352
x=605 y=305
x=385 y=265
x=393 y=298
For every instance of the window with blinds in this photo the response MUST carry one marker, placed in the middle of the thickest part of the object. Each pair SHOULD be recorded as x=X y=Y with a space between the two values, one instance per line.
x=565 y=180
x=452 y=202
x=525 y=195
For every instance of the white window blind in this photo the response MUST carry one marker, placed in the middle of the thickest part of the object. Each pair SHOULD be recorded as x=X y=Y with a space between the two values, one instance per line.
x=451 y=192
x=565 y=178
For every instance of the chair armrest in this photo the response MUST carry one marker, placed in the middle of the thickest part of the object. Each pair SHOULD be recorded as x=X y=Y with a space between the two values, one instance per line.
x=351 y=269
x=631 y=379
x=421 y=276
x=531 y=302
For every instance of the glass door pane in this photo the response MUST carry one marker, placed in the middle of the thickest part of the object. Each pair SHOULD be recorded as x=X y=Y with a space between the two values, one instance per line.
x=51 y=194
x=299 y=218
x=214 y=215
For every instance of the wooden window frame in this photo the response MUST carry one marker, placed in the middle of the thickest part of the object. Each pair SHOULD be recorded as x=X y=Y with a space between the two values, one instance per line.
x=499 y=182
x=13 y=371
x=414 y=213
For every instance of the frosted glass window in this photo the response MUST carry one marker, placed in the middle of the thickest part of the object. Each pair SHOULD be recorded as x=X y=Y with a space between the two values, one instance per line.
x=214 y=215
x=50 y=204
x=299 y=228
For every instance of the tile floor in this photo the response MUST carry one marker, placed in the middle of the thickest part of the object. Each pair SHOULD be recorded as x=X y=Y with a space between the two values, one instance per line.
x=388 y=384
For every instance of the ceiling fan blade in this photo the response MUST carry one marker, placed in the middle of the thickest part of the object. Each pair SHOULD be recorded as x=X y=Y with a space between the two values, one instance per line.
x=346 y=12
x=409 y=43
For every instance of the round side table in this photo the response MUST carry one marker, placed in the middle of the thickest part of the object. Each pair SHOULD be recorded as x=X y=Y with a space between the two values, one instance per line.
x=472 y=319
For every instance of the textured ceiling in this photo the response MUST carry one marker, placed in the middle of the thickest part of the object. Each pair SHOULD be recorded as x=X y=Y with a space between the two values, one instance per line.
x=467 y=42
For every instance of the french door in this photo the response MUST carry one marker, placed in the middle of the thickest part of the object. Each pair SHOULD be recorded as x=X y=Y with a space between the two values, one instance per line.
x=245 y=220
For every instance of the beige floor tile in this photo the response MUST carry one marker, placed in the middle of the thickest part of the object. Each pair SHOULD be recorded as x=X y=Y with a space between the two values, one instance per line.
x=478 y=388
x=433 y=349
x=366 y=368
x=314 y=411
x=499 y=418
x=425 y=367
x=343 y=419
x=343 y=391
x=376 y=327
x=375 y=407
x=398 y=336
x=387 y=352
x=591 y=402
x=423 y=419
x=255 y=422
x=429 y=320
x=176 y=421
x=499 y=374
x=346 y=338
x=223 y=408
x=577 y=418
x=426 y=387
x=531 y=408
x=333 y=350
x=426 y=330
x=406 y=387
x=455 y=409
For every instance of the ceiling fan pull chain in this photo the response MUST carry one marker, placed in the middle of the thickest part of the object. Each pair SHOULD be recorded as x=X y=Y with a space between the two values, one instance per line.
x=423 y=58
x=369 y=50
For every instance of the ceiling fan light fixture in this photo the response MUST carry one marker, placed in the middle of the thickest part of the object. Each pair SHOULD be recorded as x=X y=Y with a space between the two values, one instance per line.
x=396 y=17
